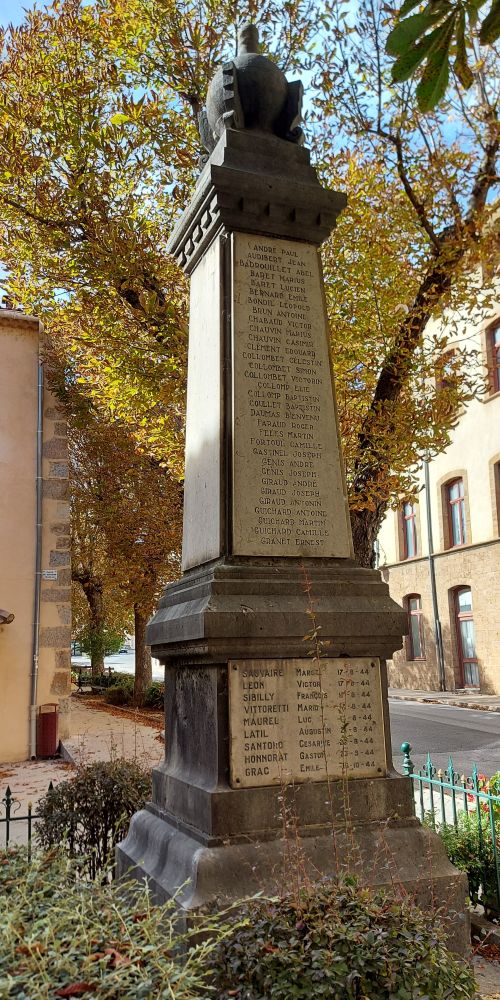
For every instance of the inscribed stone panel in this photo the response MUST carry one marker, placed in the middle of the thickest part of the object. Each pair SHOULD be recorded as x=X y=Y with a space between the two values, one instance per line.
x=305 y=720
x=288 y=491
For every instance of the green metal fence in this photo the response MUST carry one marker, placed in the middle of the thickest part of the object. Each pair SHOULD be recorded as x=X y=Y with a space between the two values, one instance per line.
x=10 y=807
x=449 y=800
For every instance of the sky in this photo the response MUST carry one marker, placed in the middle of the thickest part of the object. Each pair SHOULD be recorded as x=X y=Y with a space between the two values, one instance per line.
x=11 y=11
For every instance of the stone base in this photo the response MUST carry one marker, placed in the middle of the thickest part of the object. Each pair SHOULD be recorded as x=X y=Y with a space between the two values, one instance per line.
x=398 y=855
x=204 y=841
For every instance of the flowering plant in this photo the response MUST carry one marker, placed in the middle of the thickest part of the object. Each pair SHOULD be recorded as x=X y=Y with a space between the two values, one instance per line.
x=490 y=787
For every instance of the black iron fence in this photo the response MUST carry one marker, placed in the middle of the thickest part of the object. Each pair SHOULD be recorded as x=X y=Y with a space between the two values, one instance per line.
x=11 y=813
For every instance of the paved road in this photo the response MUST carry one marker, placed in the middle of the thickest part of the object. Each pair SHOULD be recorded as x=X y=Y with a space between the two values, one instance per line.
x=471 y=737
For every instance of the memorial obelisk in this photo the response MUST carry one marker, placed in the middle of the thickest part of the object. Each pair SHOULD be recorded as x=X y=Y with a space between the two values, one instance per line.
x=274 y=640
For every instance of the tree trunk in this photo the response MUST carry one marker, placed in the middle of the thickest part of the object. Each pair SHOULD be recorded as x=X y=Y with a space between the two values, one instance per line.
x=96 y=664
x=365 y=526
x=93 y=592
x=143 y=667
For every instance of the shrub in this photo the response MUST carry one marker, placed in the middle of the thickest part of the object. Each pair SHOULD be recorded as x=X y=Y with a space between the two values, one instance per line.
x=155 y=695
x=62 y=935
x=120 y=694
x=115 y=679
x=90 y=813
x=471 y=853
x=341 y=942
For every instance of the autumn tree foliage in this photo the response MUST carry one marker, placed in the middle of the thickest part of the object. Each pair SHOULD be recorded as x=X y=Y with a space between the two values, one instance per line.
x=417 y=244
x=127 y=526
x=99 y=152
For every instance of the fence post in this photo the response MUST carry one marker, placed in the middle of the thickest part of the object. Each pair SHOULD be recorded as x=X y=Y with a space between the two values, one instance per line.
x=8 y=806
x=408 y=767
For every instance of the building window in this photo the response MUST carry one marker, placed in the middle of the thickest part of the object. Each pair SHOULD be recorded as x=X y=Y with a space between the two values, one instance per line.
x=456 y=512
x=416 y=643
x=493 y=336
x=466 y=639
x=448 y=370
x=409 y=519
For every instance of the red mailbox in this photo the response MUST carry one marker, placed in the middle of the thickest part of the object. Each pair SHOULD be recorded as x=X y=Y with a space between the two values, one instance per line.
x=46 y=731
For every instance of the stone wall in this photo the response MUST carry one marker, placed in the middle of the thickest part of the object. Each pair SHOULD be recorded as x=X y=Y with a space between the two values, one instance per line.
x=474 y=566
x=474 y=456
x=19 y=346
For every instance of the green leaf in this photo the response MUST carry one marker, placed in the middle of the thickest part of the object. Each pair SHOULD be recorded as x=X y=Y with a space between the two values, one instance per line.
x=461 y=66
x=434 y=82
x=407 y=63
x=490 y=28
x=472 y=9
x=407 y=7
x=119 y=118
x=408 y=31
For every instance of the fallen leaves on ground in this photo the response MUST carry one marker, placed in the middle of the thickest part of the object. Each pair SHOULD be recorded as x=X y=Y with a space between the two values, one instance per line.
x=490 y=951
x=145 y=716
x=75 y=990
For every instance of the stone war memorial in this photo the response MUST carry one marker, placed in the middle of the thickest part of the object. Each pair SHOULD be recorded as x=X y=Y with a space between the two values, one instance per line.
x=274 y=640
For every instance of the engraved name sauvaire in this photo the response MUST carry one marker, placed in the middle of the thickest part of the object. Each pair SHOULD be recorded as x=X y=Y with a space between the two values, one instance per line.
x=305 y=720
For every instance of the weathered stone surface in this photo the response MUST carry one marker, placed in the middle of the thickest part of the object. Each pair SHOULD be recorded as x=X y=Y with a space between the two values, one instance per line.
x=61 y=429
x=257 y=184
x=203 y=496
x=305 y=720
x=61 y=683
x=63 y=659
x=59 y=558
x=261 y=606
x=55 y=489
x=63 y=543
x=56 y=594
x=59 y=470
x=53 y=413
x=289 y=497
x=55 y=448
x=64 y=577
x=251 y=92
x=60 y=528
x=55 y=637
x=64 y=614
x=400 y=857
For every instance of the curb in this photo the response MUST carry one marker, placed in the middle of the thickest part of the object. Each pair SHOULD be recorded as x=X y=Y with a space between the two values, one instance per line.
x=483 y=929
x=446 y=701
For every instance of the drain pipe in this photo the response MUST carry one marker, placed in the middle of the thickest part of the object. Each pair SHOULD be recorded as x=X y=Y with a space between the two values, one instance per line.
x=38 y=563
x=432 y=574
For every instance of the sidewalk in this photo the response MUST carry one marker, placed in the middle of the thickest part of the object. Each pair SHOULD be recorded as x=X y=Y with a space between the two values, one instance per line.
x=458 y=699
x=98 y=736
x=101 y=736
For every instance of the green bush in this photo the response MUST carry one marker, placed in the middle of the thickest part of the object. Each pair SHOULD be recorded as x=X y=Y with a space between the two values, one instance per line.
x=115 y=679
x=340 y=942
x=120 y=694
x=472 y=853
x=155 y=695
x=90 y=813
x=60 y=933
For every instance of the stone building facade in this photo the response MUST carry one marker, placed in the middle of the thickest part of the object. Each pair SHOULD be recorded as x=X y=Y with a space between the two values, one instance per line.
x=21 y=394
x=453 y=637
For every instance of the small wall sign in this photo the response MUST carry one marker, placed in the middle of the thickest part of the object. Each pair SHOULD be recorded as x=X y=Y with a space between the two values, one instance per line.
x=49 y=574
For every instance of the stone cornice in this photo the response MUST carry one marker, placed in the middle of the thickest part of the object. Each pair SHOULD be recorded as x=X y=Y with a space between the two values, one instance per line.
x=258 y=185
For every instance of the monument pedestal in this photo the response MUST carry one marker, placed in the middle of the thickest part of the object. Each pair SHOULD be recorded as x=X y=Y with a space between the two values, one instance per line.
x=274 y=641
x=214 y=833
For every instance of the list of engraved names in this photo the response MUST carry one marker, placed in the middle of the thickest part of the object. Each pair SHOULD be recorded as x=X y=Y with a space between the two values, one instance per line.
x=287 y=487
x=305 y=720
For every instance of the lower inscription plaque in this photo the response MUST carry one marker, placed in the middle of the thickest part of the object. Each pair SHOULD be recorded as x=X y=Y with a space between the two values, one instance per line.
x=305 y=720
